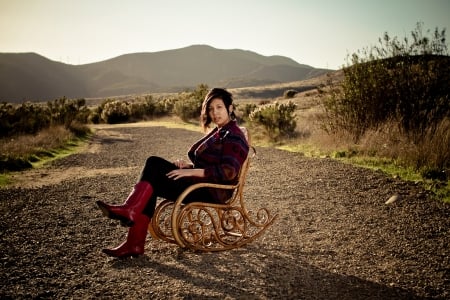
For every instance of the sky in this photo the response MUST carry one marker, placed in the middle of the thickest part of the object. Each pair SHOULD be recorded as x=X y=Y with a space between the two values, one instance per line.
x=319 y=33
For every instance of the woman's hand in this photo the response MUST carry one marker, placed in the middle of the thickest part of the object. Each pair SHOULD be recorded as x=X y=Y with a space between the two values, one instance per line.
x=179 y=173
x=182 y=164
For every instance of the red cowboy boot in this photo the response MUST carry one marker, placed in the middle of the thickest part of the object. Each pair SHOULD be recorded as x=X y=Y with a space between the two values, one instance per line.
x=132 y=207
x=135 y=242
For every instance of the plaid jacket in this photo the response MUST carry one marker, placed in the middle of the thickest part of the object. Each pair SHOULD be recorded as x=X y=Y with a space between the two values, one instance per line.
x=221 y=153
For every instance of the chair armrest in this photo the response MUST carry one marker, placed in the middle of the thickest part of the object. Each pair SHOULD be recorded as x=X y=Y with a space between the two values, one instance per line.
x=193 y=187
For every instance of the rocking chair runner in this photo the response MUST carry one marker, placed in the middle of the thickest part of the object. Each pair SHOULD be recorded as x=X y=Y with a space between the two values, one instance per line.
x=206 y=226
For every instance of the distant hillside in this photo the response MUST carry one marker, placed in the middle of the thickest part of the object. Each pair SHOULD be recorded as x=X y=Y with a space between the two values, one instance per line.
x=29 y=76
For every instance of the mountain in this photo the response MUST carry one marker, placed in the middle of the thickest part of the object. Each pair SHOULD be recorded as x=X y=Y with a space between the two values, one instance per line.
x=29 y=76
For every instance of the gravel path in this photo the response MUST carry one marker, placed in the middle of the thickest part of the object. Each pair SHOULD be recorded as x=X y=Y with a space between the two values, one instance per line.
x=335 y=237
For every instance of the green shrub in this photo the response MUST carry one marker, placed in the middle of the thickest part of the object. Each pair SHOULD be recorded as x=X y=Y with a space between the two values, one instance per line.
x=188 y=106
x=397 y=81
x=114 y=112
x=247 y=110
x=400 y=87
x=30 y=118
x=278 y=119
x=164 y=107
x=290 y=94
x=152 y=107
x=148 y=108
x=64 y=111
x=137 y=111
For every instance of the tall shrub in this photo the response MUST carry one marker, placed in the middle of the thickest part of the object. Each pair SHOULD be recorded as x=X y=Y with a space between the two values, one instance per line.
x=278 y=119
x=189 y=104
x=65 y=111
x=114 y=112
x=30 y=118
x=405 y=81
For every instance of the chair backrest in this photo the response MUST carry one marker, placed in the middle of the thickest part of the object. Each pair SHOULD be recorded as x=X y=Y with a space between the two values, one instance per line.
x=244 y=168
x=246 y=134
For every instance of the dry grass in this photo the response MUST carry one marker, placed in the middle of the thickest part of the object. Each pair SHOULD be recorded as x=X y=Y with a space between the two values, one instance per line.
x=435 y=148
x=23 y=146
x=311 y=138
x=385 y=148
x=432 y=151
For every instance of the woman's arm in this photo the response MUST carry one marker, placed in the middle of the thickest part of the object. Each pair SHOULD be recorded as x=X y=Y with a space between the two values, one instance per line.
x=182 y=164
x=179 y=173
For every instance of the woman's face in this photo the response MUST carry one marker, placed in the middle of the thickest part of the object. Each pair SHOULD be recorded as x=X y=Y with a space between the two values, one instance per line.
x=218 y=112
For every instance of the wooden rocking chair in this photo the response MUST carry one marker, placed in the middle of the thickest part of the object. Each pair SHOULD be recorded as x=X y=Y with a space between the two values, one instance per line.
x=203 y=226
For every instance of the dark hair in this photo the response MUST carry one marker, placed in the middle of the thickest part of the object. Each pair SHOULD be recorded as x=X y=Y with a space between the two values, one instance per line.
x=214 y=93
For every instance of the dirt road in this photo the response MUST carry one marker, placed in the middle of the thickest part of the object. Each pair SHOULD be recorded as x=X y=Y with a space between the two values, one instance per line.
x=335 y=237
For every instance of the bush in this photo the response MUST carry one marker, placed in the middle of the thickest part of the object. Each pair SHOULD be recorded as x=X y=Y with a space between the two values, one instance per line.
x=164 y=107
x=278 y=119
x=30 y=118
x=290 y=94
x=63 y=111
x=137 y=111
x=247 y=110
x=188 y=108
x=404 y=82
x=401 y=88
x=114 y=112
x=189 y=104
x=148 y=108
x=186 y=105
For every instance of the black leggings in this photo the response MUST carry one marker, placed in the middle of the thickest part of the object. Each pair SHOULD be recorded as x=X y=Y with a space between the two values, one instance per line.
x=155 y=171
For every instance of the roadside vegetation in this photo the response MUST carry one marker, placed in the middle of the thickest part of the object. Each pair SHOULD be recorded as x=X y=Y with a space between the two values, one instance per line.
x=394 y=104
x=388 y=109
x=30 y=133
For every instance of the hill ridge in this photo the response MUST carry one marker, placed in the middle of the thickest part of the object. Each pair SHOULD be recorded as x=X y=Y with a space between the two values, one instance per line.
x=31 y=76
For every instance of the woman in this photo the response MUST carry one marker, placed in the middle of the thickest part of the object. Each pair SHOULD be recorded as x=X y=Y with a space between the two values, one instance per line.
x=216 y=158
